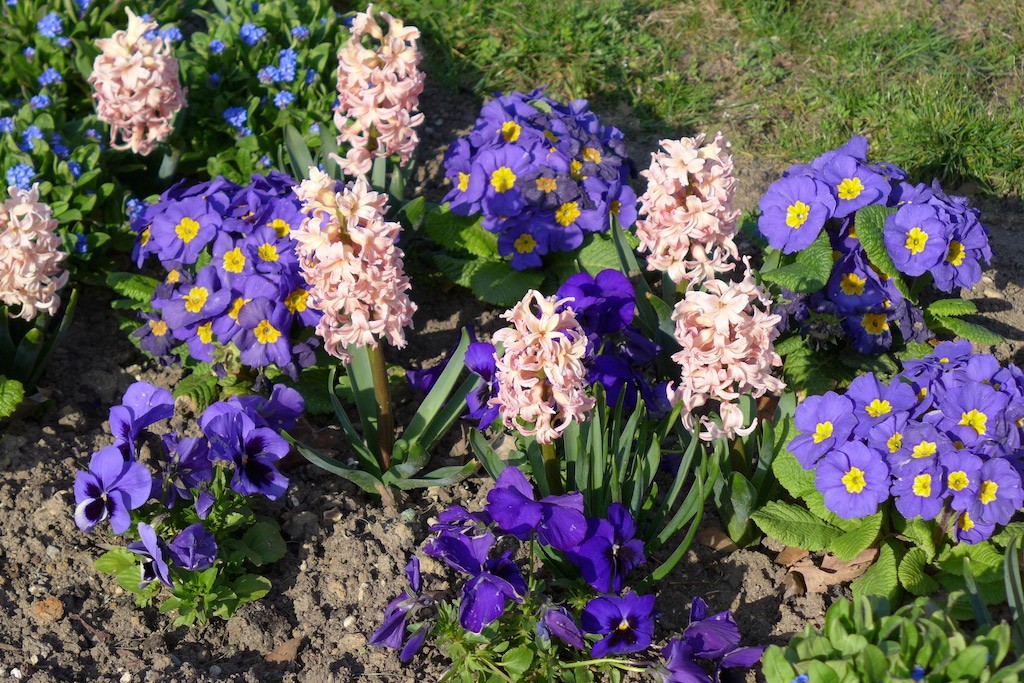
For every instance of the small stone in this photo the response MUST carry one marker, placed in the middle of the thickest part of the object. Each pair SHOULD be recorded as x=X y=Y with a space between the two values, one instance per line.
x=33 y=660
x=994 y=294
x=349 y=622
x=125 y=678
x=52 y=551
x=16 y=674
x=47 y=611
x=216 y=670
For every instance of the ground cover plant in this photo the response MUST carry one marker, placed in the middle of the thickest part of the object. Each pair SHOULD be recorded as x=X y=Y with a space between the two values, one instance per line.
x=566 y=387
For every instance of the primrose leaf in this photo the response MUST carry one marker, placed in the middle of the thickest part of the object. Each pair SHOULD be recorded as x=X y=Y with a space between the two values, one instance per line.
x=795 y=526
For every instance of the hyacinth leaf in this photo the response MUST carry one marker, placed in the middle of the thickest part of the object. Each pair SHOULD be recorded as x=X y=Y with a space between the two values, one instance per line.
x=365 y=480
x=298 y=153
x=966 y=330
x=6 y=341
x=360 y=374
x=951 y=307
x=442 y=476
x=329 y=151
x=421 y=426
x=857 y=540
x=981 y=614
x=691 y=511
x=795 y=526
x=29 y=350
x=12 y=393
x=912 y=573
x=459 y=233
x=379 y=174
x=413 y=213
x=314 y=387
x=1013 y=580
x=486 y=455
x=869 y=223
x=881 y=578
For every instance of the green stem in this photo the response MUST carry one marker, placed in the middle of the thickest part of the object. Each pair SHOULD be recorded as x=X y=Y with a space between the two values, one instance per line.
x=552 y=471
x=617 y=663
x=385 y=420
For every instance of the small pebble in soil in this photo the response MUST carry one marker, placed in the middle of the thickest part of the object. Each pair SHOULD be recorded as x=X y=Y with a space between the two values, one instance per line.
x=216 y=670
x=349 y=622
x=52 y=551
x=16 y=674
x=125 y=678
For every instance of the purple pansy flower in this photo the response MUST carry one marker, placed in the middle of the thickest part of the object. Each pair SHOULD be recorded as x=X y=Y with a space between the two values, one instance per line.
x=109 y=489
x=556 y=621
x=609 y=551
x=142 y=405
x=194 y=549
x=396 y=627
x=557 y=520
x=153 y=550
x=626 y=621
x=253 y=450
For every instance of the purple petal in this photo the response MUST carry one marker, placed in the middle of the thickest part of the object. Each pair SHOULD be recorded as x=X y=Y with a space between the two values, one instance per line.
x=601 y=615
x=414 y=644
x=412 y=572
x=562 y=527
x=483 y=600
x=107 y=464
x=744 y=656
x=120 y=519
x=698 y=610
x=511 y=510
x=712 y=638
x=136 y=483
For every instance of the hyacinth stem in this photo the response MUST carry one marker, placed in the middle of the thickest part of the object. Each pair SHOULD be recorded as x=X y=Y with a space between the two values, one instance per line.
x=385 y=420
x=552 y=471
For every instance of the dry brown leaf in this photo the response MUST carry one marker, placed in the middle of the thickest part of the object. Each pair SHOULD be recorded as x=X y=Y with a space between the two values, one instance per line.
x=833 y=571
x=793 y=586
x=790 y=556
x=285 y=652
x=833 y=563
x=716 y=539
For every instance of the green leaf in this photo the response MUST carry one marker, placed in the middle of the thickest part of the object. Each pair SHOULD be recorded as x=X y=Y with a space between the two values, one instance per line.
x=881 y=578
x=858 y=539
x=493 y=281
x=795 y=526
x=517 y=661
x=249 y=587
x=460 y=233
x=967 y=664
x=821 y=672
x=12 y=393
x=915 y=350
x=951 y=307
x=313 y=387
x=775 y=667
x=133 y=286
x=298 y=152
x=414 y=210
x=922 y=533
x=598 y=253
x=986 y=561
x=969 y=331
x=810 y=271
x=113 y=561
x=789 y=345
x=200 y=387
x=792 y=475
x=814 y=372
x=265 y=539
x=912 y=573
x=869 y=222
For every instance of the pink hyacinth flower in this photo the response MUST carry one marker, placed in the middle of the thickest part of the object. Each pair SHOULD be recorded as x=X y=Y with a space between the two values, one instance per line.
x=30 y=255
x=541 y=378
x=136 y=86
x=687 y=220
x=378 y=93
x=349 y=257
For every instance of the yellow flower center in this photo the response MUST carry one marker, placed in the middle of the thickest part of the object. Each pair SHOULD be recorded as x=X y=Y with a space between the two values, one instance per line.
x=614 y=207
x=623 y=625
x=956 y=253
x=547 y=184
x=266 y=333
x=895 y=442
x=236 y=306
x=878 y=407
x=525 y=244
x=187 y=229
x=854 y=480
x=965 y=522
x=958 y=480
x=296 y=301
x=510 y=131
x=234 y=260
x=875 y=323
x=551 y=136
x=850 y=188
x=503 y=179
x=852 y=284
x=144 y=237
x=205 y=333
x=575 y=167
x=158 y=327
x=988 y=492
x=196 y=299
x=922 y=393
x=592 y=155
x=567 y=213
x=268 y=252
x=974 y=419
x=173 y=276
x=796 y=214
x=282 y=227
x=925 y=449
x=916 y=239
x=463 y=181
x=923 y=485
x=822 y=431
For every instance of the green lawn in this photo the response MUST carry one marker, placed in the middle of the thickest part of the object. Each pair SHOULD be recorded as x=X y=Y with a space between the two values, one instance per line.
x=940 y=93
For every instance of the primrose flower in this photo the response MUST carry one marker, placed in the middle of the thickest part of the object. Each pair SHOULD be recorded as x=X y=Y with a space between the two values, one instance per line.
x=541 y=377
x=854 y=183
x=690 y=221
x=726 y=334
x=854 y=480
x=793 y=212
x=349 y=257
x=999 y=494
x=920 y=492
x=109 y=489
x=153 y=549
x=825 y=422
x=378 y=92
x=916 y=238
x=626 y=622
x=30 y=255
x=136 y=87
